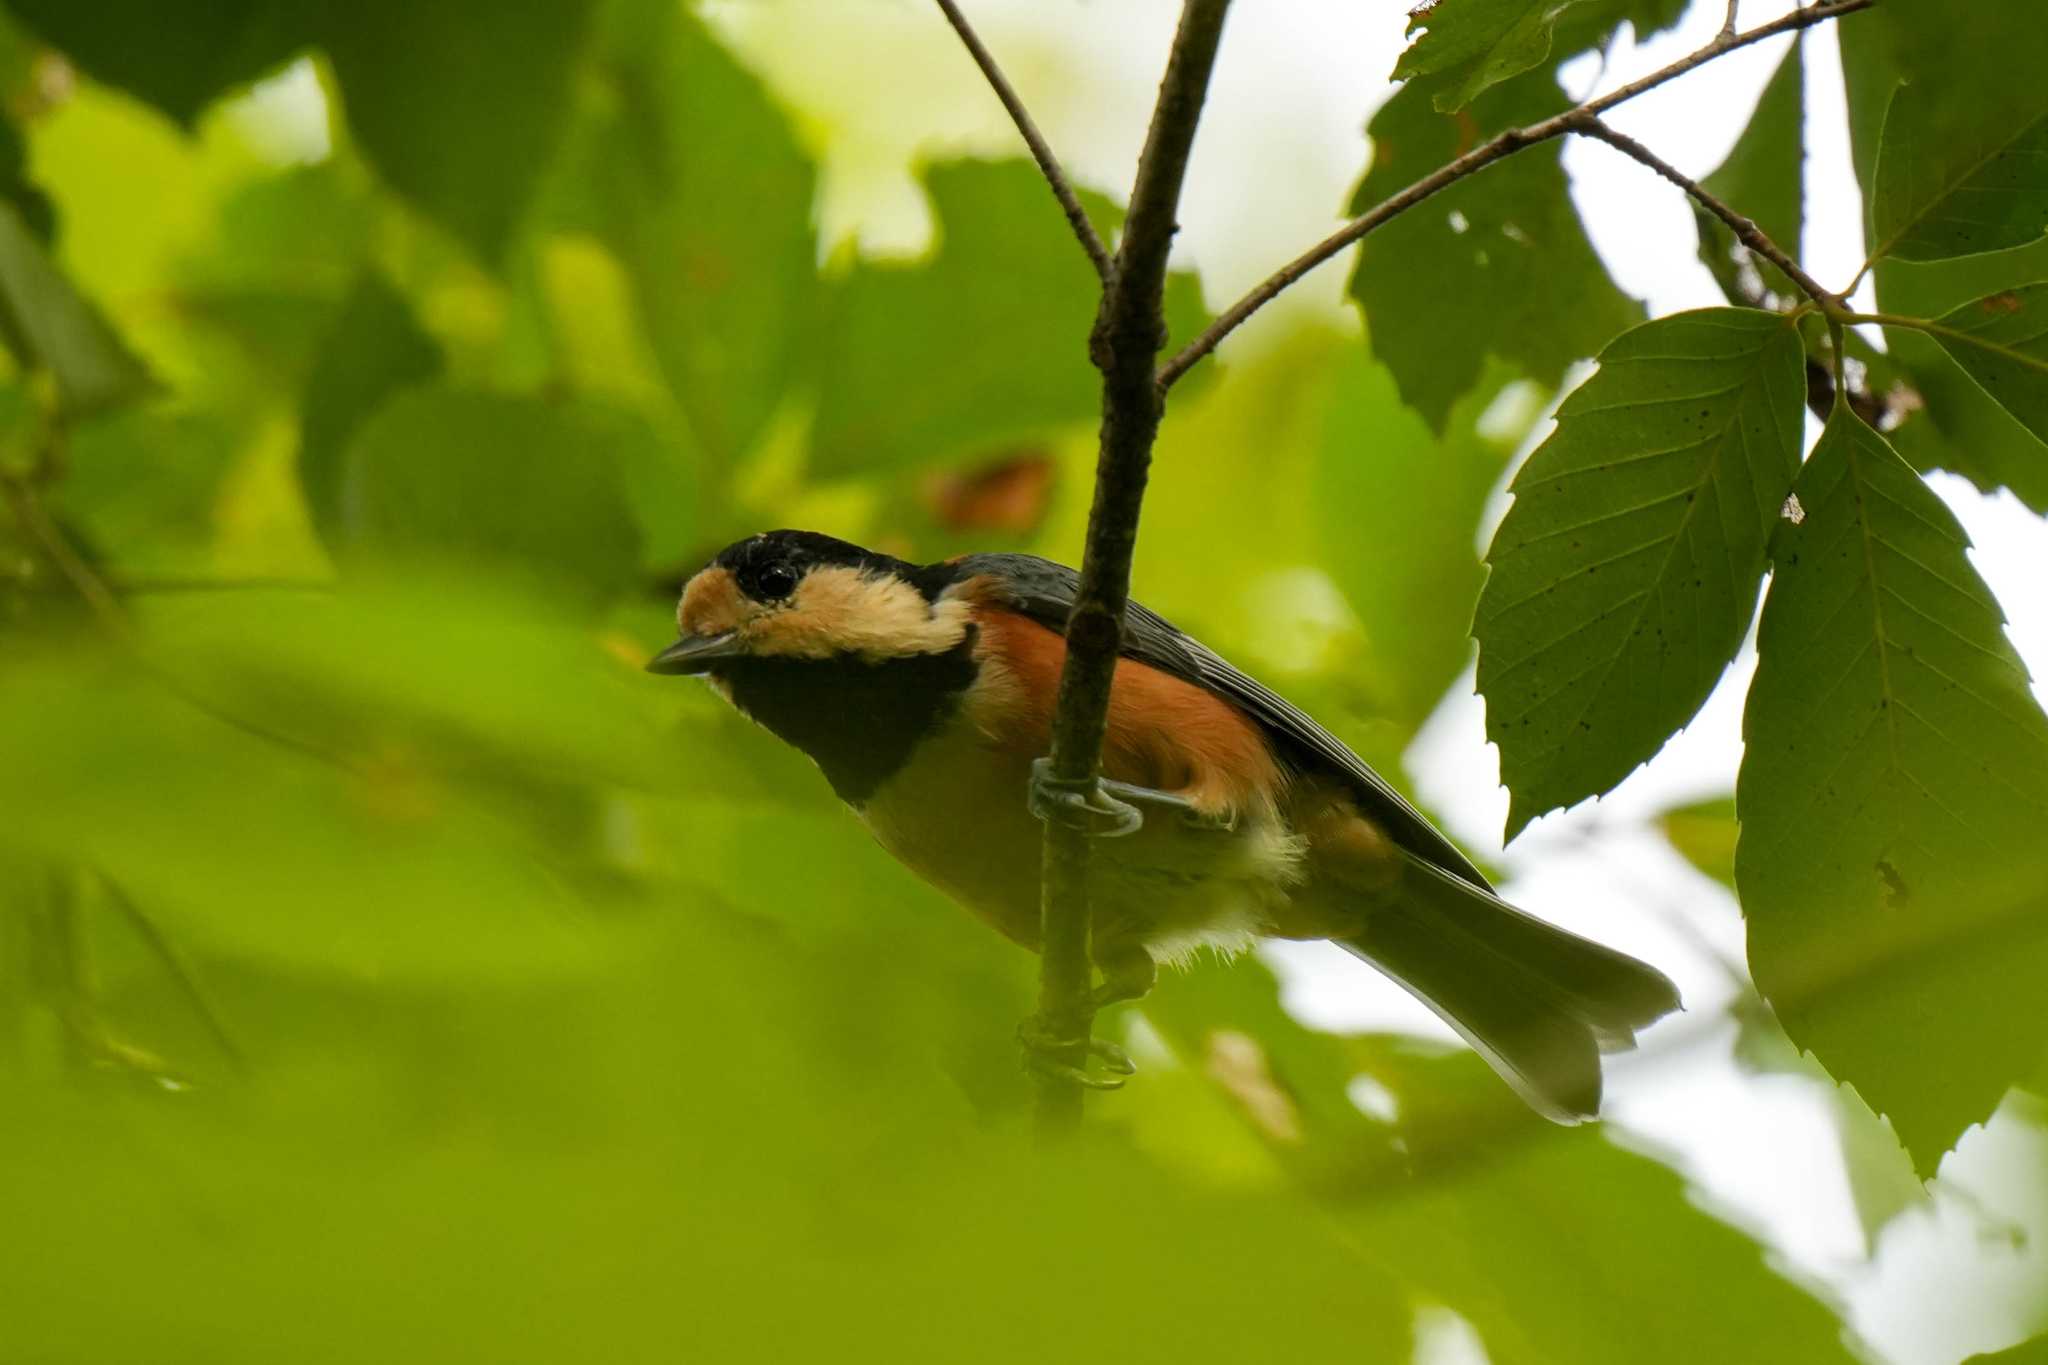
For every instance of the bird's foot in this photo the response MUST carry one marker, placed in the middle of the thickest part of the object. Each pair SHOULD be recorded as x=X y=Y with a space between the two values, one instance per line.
x=1049 y=1055
x=1086 y=806
x=1107 y=808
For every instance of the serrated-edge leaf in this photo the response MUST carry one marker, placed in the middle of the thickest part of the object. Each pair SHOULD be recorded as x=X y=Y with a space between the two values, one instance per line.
x=1626 y=572
x=1940 y=194
x=1486 y=45
x=2001 y=342
x=1895 y=773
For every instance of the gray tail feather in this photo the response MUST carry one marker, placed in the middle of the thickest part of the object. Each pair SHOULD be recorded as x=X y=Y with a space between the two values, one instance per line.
x=1539 y=1004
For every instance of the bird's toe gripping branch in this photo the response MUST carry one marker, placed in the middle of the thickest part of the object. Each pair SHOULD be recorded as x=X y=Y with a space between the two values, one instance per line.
x=1054 y=1056
x=1108 y=809
x=1086 y=805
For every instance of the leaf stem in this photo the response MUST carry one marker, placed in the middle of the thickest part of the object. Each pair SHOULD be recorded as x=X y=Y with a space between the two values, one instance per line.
x=1129 y=331
x=1041 y=150
x=1494 y=149
x=1947 y=333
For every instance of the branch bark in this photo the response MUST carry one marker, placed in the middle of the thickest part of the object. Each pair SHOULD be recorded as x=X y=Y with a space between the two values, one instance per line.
x=1129 y=332
x=1494 y=149
x=1041 y=150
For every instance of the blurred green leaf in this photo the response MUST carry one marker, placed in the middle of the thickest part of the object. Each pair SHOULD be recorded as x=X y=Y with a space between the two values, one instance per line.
x=2030 y=1352
x=697 y=183
x=459 y=104
x=1764 y=178
x=518 y=485
x=1957 y=179
x=176 y=54
x=1399 y=512
x=1005 y=266
x=373 y=349
x=47 y=323
x=1704 y=835
x=1584 y=1212
x=2003 y=345
x=37 y=213
x=1626 y=572
x=1894 y=780
x=143 y=490
x=1497 y=264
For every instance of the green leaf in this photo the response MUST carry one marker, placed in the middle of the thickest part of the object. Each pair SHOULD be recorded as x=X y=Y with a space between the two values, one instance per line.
x=1986 y=71
x=1497 y=264
x=374 y=349
x=1704 y=835
x=2001 y=341
x=1894 y=785
x=1477 y=43
x=49 y=323
x=1763 y=178
x=142 y=489
x=1477 y=1204
x=2031 y=1352
x=1400 y=511
x=513 y=486
x=176 y=54
x=697 y=184
x=1948 y=185
x=459 y=104
x=1006 y=266
x=1626 y=572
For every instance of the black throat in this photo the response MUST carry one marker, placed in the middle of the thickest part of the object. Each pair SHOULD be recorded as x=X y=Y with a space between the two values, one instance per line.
x=858 y=721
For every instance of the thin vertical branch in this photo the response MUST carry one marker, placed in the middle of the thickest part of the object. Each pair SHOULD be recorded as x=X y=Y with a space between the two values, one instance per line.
x=1129 y=332
x=1041 y=150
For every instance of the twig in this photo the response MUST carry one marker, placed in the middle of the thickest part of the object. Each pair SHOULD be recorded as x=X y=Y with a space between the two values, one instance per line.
x=1041 y=151
x=1586 y=124
x=1129 y=332
x=1494 y=149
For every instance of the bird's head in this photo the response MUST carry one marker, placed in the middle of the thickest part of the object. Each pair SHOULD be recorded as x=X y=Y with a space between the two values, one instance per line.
x=798 y=595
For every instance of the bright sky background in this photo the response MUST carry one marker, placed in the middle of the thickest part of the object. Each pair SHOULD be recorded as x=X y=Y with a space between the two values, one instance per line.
x=1280 y=149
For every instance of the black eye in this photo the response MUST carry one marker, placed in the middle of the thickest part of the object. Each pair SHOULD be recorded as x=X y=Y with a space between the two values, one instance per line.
x=772 y=582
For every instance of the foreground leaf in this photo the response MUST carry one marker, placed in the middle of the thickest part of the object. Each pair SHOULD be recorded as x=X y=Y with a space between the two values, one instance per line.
x=1894 y=785
x=1425 y=1194
x=2001 y=341
x=1949 y=185
x=1626 y=572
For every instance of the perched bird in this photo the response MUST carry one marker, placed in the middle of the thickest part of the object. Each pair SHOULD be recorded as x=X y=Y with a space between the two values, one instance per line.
x=925 y=693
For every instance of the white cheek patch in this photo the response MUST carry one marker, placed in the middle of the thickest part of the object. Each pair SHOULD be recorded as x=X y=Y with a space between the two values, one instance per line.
x=840 y=610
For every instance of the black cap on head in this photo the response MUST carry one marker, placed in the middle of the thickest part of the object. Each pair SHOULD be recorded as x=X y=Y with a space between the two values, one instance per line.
x=768 y=566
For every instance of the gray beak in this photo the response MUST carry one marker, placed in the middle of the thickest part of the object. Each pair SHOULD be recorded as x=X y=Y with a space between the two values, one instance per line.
x=696 y=653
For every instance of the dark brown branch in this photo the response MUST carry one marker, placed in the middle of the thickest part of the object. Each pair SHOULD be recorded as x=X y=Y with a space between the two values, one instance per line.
x=1745 y=229
x=1041 y=151
x=1494 y=149
x=1129 y=332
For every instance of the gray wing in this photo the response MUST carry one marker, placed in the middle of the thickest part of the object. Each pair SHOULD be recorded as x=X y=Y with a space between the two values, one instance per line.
x=1045 y=592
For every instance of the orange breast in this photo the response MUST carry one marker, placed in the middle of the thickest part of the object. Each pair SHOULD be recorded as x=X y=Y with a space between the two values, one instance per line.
x=1164 y=732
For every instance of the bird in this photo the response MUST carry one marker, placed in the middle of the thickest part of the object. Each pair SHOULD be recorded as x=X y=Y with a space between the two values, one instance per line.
x=925 y=695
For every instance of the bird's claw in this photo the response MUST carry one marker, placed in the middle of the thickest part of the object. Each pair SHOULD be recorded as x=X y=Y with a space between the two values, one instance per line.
x=1086 y=806
x=1047 y=1055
